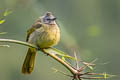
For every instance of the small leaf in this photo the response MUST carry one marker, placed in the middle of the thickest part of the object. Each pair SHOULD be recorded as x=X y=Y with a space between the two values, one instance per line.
x=2 y=21
x=63 y=58
x=7 y=12
x=91 y=67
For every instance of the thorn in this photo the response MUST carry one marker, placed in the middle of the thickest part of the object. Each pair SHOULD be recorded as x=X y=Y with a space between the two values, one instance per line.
x=77 y=65
x=56 y=70
x=86 y=64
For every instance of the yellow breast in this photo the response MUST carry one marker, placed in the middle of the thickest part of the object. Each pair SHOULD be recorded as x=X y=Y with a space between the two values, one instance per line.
x=45 y=36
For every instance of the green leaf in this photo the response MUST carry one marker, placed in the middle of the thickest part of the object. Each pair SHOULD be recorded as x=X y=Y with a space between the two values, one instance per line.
x=7 y=12
x=63 y=58
x=91 y=67
x=2 y=21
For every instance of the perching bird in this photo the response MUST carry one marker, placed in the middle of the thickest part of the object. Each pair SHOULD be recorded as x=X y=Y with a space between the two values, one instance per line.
x=44 y=33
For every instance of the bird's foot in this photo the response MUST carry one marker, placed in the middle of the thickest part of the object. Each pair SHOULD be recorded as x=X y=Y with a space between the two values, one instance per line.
x=39 y=49
x=42 y=49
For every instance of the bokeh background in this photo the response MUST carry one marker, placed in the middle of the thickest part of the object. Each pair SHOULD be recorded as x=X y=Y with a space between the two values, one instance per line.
x=89 y=27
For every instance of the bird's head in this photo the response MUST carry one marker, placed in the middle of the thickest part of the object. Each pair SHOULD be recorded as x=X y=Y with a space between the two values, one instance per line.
x=48 y=18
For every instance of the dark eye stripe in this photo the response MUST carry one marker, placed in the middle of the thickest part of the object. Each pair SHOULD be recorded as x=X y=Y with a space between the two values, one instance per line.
x=48 y=19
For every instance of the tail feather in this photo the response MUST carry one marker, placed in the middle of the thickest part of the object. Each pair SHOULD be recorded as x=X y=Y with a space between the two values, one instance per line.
x=28 y=64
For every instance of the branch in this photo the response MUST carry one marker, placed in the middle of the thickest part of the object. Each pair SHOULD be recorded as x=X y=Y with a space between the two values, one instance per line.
x=18 y=42
x=69 y=67
x=77 y=75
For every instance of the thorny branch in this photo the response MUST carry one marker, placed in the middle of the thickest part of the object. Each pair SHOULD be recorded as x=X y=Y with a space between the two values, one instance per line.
x=77 y=73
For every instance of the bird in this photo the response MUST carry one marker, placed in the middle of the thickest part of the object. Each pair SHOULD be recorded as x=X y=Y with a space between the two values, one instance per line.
x=44 y=33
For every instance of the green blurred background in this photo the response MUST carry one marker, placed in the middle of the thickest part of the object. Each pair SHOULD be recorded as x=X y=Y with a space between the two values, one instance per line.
x=90 y=27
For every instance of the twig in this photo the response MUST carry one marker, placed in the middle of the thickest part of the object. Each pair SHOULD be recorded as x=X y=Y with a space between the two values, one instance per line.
x=62 y=72
x=70 y=68
x=18 y=42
